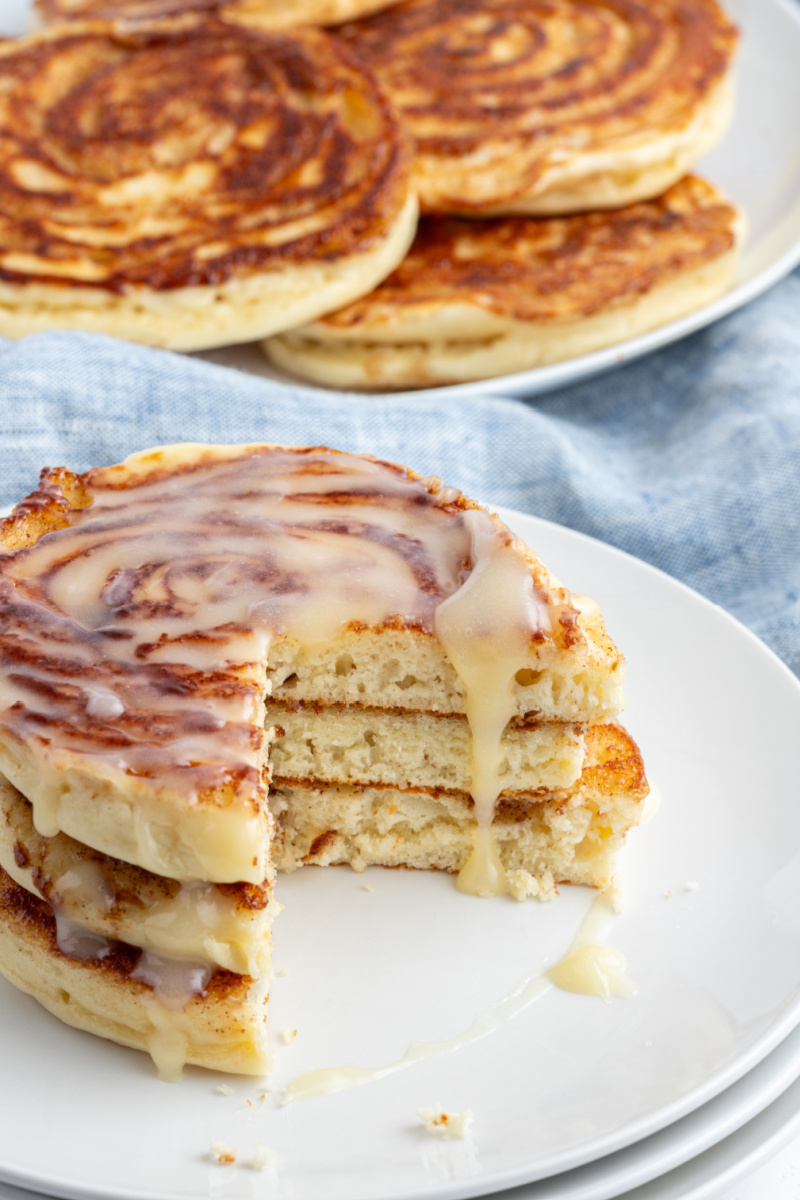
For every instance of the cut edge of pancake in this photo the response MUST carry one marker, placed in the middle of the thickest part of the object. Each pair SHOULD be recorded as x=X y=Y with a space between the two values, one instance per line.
x=570 y=835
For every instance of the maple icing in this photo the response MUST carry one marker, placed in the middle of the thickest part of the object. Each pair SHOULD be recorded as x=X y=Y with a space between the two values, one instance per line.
x=189 y=562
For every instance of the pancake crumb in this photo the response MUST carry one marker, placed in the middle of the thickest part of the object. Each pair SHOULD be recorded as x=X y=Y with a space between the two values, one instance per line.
x=284 y=971
x=224 y=1090
x=222 y=1154
x=288 y=1035
x=263 y=1159
x=524 y=886
x=446 y=1124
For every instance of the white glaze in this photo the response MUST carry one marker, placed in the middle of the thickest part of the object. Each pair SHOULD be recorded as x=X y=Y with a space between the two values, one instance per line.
x=597 y=970
x=202 y=569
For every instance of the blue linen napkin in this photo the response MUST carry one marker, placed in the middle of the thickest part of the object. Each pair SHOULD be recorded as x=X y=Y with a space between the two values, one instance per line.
x=688 y=458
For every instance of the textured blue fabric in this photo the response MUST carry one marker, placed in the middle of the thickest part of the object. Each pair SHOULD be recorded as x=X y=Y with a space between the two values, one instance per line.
x=688 y=458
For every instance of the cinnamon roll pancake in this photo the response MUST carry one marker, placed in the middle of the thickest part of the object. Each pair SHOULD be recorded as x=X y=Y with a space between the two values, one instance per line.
x=192 y=183
x=98 y=898
x=552 y=106
x=474 y=300
x=218 y=1021
x=266 y=14
x=219 y=661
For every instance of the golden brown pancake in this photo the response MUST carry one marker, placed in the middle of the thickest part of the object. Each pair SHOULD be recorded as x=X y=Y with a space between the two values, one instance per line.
x=222 y=1027
x=266 y=14
x=188 y=183
x=476 y=299
x=550 y=106
x=225 y=925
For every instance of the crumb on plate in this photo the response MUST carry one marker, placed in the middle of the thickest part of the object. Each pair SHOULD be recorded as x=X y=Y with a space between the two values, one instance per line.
x=446 y=1124
x=263 y=1159
x=222 y=1154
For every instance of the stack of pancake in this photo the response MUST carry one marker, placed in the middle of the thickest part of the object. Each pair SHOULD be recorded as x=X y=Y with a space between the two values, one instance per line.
x=216 y=661
x=552 y=141
x=562 y=131
x=194 y=173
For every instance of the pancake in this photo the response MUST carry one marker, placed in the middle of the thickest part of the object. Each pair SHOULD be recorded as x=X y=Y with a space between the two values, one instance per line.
x=222 y=1026
x=473 y=300
x=221 y=925
x=147 y=610
x=192 y=183
x=219 y=661
x=265 y=14
x=541 y=107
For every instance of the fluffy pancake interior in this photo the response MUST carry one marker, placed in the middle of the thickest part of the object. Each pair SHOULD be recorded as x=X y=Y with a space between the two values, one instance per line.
x=408 y=749
x=544 y=837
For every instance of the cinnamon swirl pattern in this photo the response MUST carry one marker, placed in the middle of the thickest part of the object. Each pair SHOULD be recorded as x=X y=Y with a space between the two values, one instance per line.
x=475 y=299
x=192 y=183
x=266 y=14
x=139 y=605
x=551 y=106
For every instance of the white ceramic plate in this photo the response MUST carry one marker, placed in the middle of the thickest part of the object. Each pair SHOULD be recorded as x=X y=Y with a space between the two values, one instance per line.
x=567 y=1081
x=757 y=165
x=720 y=1143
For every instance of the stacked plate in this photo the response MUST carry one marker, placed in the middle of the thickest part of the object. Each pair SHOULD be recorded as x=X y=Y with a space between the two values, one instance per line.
x=578 y=1098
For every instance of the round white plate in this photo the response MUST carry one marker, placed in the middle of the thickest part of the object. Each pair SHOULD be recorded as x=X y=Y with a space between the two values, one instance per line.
x=568 y=1080
x=757 y=165
x=719 y=1144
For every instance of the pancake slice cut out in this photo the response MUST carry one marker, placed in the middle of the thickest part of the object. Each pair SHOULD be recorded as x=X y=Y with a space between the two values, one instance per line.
x=478 y=299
